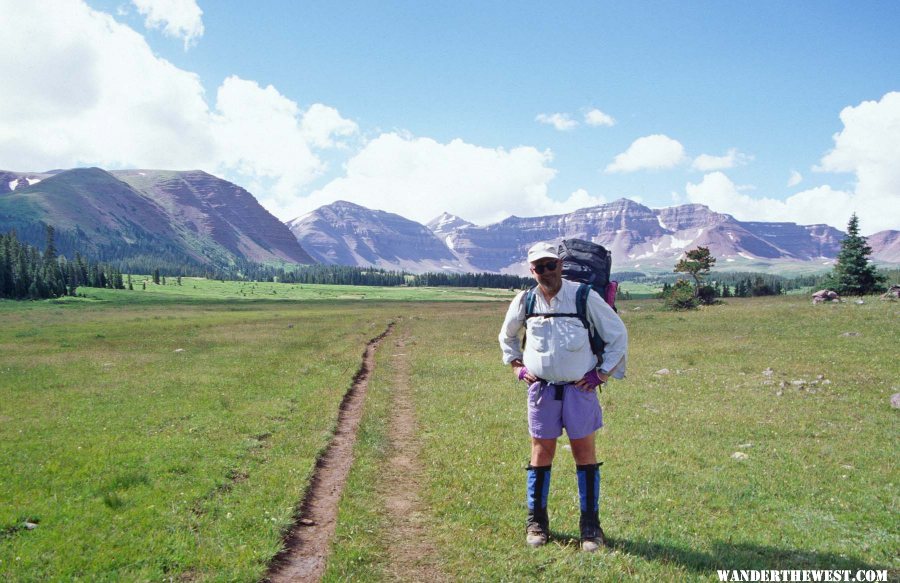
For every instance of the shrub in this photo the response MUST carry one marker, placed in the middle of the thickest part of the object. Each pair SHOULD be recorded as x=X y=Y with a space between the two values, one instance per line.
x=707 y=295
x=681 y=296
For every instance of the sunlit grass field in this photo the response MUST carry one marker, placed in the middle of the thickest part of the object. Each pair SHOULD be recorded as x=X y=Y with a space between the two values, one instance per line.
x=817 y=489
x=197 y=289
x=164 y=440
x=163 y=434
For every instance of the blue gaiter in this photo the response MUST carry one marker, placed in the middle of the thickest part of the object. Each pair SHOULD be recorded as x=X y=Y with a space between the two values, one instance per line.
x=589 y=487
x=538 y=487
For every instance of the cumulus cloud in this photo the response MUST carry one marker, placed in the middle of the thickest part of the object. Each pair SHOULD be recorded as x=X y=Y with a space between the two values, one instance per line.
x=90 y=91
x=707 y=163
x=176 y=18
x=795 y=178
x=323 y=124
x=579 y=199
x=654 y=152
x=596 y=118
x=867 y=147
x=561 y=121
x=819 y=205
x=419 y=178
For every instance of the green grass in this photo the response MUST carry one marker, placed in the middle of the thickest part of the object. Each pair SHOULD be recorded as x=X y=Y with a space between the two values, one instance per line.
x=817 y=491
x=155 y=441
x=640 y=290
x=138 y=462
x=195 y=289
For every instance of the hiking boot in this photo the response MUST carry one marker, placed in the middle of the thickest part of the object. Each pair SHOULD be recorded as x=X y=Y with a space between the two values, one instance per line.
x=592 y=544
x=535 y=536
x=537 y=528
x=592 y=537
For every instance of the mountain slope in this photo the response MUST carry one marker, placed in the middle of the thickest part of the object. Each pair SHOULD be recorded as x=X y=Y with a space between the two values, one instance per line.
x=174 y=217
x=885 y=246
x=205 y=208
x=344 y=233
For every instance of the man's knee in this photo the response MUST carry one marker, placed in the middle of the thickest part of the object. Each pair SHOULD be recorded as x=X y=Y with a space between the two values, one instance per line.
x=542 y=451
x=583 y=450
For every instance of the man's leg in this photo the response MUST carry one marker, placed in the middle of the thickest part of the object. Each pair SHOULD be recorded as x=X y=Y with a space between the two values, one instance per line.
x=588 y=471
x=537 y=527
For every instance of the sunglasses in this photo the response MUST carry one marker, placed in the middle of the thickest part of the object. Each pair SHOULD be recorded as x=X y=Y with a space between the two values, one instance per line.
x=549 y=266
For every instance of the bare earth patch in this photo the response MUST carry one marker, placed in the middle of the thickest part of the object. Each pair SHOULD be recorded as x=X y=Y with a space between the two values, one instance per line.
x=412 y=552
x=306 y=546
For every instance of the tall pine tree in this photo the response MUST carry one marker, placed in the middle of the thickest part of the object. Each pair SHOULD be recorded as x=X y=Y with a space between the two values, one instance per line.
x=853 y=274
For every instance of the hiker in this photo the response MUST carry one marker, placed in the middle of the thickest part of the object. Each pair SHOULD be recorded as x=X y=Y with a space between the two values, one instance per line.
x=563 y=374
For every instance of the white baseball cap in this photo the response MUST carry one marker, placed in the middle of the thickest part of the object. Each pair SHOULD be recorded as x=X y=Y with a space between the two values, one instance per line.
x=542 y=251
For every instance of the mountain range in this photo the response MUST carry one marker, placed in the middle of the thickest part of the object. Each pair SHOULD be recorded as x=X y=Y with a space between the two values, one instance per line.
x=195 y=218
x=640 y=238
x=185 y=217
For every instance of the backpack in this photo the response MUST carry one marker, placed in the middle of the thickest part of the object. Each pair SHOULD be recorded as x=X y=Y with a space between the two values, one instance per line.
x=590 y=265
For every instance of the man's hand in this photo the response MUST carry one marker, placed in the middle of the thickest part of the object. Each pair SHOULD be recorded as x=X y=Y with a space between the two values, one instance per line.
x=592 y=380
x=521 y=372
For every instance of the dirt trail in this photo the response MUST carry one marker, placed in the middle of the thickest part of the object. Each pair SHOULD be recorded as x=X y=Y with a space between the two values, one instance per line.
x=307 y=545
x=412 y=551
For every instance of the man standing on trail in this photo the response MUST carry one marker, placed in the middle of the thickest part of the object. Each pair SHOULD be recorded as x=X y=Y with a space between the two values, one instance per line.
x=563 y=374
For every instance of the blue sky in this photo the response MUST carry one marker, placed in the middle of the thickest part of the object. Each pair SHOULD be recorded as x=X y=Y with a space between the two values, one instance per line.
x=426 y=106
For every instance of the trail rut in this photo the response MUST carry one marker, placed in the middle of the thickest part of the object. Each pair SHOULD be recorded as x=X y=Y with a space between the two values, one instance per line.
x=412 y=551
x=306 y=546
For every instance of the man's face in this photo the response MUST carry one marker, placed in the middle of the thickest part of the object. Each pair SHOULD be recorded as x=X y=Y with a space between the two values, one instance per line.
x=547 y=272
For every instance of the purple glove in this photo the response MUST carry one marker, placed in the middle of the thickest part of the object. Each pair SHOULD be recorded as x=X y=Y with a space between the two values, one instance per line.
x=522 y=372
x=592 y=378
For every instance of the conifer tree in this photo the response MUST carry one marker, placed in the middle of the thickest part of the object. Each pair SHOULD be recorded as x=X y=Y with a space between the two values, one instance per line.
x=853 y=274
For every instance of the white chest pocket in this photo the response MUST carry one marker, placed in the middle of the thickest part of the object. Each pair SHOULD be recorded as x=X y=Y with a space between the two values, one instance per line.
x=540 y=333
x=573 y=334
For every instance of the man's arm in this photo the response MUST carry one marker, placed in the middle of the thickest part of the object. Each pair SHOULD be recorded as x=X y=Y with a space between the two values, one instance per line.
x=509 y=337
x=612 y=330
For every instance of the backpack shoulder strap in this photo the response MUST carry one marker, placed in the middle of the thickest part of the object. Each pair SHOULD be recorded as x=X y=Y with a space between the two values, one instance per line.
x=581 y=300
x=529 y=302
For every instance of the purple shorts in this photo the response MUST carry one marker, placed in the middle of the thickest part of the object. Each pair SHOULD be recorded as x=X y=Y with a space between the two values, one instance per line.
x=578 y=411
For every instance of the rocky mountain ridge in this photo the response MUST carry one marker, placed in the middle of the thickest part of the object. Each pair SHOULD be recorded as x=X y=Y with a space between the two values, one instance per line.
x=345 y=233
x=640 y=238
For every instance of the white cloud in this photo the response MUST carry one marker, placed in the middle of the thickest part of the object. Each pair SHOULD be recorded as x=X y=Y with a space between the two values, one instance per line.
x=595 y=118
x=579 y=199
x=260 y=135
x=560 y=121
x=321 y=124
x=707 y=163
x=176 y=18
x=90 y=91
x=818 y=205
x=419 y=178
x=868 y=146
x=654 y=152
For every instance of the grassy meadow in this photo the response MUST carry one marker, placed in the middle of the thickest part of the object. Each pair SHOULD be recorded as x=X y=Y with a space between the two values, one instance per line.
x=168 y=434
x=816 y=490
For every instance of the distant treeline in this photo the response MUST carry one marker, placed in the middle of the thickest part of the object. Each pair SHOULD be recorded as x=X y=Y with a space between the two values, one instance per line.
x=495 y=280
x=346 y=275
x=748 y=287
x=27 y=273
x=142 y=254
x=747 y=280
